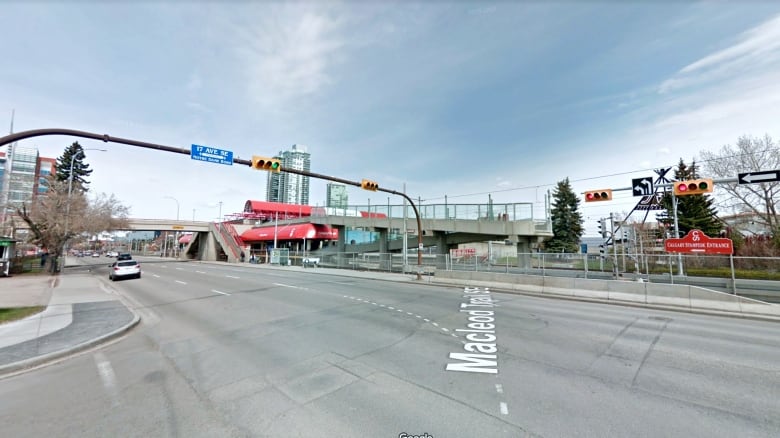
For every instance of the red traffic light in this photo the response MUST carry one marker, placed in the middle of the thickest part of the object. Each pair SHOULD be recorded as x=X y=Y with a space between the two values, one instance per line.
x=694 y=187
x=598 y=195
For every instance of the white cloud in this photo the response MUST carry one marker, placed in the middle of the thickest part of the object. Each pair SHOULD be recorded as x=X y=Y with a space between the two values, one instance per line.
x=286 y=51
x=757 y=48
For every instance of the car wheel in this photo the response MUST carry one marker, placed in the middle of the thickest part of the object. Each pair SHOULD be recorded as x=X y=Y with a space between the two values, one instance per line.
x=138 y=276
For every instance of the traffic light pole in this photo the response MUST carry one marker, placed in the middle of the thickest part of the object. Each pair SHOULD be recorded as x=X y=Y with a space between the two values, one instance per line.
x=142 y=144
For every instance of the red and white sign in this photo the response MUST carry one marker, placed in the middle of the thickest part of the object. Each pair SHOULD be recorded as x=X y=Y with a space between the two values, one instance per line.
x=698 y=242
x=463 y=252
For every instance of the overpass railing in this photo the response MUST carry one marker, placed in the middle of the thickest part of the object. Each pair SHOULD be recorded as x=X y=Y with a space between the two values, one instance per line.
x=507 y=212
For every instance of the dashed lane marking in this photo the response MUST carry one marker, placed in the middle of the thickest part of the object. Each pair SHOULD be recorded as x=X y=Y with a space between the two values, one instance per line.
x=180 y=282
x=504 y=408
x=219 y=292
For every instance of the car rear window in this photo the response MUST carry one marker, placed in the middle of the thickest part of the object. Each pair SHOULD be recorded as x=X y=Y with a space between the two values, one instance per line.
x=128 y=263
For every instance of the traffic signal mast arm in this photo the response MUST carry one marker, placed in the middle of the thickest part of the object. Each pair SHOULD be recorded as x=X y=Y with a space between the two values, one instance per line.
x=11 y=138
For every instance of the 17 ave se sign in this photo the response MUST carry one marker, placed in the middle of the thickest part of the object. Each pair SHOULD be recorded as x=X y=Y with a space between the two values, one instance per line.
x=759 y=177
x=211 y=155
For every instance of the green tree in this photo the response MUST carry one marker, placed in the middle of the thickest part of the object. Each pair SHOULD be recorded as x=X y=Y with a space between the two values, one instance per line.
x=55 y=218
x=693 y=211
x=81 y=169
x=566 y=220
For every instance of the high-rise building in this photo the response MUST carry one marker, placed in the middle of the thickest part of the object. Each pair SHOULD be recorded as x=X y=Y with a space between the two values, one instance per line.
x=287 y=187
x=337 y=196
x=23 y=176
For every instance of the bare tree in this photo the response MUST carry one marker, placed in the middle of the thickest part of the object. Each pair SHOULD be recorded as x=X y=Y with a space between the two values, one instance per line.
x=750 y=154
x=57 y=216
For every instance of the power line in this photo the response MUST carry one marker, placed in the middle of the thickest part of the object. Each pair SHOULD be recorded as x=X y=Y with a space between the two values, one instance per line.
x=538 y=186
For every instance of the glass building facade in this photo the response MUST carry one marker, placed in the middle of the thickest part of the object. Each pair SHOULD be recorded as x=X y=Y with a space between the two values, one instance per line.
x=288 y=187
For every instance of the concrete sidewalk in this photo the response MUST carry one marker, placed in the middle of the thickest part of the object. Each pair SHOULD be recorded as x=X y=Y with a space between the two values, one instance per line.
x=79 y=315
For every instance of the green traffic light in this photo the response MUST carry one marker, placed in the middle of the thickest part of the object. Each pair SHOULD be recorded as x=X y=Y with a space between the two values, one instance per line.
x=703 y=185
x=275 y=165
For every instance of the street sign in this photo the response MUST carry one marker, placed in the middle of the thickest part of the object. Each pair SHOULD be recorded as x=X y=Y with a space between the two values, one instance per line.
x=212 y=155
x=698 y=242
x=178 y=227
x=642 y=186
x=759 y=177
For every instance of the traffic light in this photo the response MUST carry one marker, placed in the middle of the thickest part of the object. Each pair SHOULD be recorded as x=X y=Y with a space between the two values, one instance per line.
x=603 y=228
x=693 y=187
x=598 y=195
x=263 y=163
x=602 y=252
x=369 y=185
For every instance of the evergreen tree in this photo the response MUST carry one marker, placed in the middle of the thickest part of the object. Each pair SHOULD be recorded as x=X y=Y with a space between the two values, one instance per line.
x=81 y=170
x=693 y=211
x=566 y=220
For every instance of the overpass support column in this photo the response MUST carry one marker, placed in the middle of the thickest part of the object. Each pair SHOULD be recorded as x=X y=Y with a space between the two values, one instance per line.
x=341 y=246
x=524 y=253
x=385 y=259
x=442 y=250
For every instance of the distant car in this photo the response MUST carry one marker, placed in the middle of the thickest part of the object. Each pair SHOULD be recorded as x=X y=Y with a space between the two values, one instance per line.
x=124 y=268
x=95 y=254
x=124 y=256
x=112 y=254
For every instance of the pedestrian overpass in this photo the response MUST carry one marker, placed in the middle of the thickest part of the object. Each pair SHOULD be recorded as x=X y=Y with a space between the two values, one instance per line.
x=444 y=226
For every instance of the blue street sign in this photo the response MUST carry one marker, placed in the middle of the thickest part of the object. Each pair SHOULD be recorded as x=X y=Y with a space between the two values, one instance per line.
x=212 y=155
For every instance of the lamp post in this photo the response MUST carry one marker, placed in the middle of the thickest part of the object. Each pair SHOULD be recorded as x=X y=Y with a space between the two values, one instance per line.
x=70 y=189
x=175 y=243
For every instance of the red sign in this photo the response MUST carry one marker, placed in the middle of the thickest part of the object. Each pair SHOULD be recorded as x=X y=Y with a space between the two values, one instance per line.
x=698 y=242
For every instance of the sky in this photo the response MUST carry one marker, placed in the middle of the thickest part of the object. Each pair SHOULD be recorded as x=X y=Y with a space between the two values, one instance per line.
x=463 y=100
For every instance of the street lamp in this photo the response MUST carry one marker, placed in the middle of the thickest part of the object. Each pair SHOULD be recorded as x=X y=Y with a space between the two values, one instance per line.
x=176 y=242
x=78 y=154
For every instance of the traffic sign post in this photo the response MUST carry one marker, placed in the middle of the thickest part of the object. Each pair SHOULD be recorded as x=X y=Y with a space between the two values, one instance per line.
x=211 y=155
x=758 y=177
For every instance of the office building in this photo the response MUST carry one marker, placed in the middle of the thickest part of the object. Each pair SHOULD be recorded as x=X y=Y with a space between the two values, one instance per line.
x=337 y=196
x=287 y=187
x=23 y=176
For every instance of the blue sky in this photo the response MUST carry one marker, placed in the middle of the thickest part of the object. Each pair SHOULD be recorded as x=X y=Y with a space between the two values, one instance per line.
x=461 y=99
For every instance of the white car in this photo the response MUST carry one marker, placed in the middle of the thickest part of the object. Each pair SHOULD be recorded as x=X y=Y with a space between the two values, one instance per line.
x=124 y=268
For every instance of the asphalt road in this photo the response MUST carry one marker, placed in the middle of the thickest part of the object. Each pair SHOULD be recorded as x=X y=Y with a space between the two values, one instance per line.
x=246 y=351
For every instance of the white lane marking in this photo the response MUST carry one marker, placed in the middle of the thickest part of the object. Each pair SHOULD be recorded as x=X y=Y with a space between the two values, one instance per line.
x=374 y=303
x=499 y=388
x=399 y=310
x=418 y=316
x=435 y=324
x=426 y=320
x=409 y=313
x=231 y=276
x=391 y=308
x=445 y=329
x=155 y=275
x=286 y=285
x=219 y=292
x=108 y=377
x=180 y=282
x=180 y=269
x=504 y=408
x=200 y=272
x=382 y=305
x=453 y=335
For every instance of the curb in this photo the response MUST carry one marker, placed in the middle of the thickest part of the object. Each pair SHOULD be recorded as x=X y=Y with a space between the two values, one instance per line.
x=21 y=366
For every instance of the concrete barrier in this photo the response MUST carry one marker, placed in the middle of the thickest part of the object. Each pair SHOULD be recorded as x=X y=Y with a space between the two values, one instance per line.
x=659 y=295
x=630 y=291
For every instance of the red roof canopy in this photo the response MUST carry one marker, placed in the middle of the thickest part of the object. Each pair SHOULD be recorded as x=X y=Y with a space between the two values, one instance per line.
x=290 y=232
